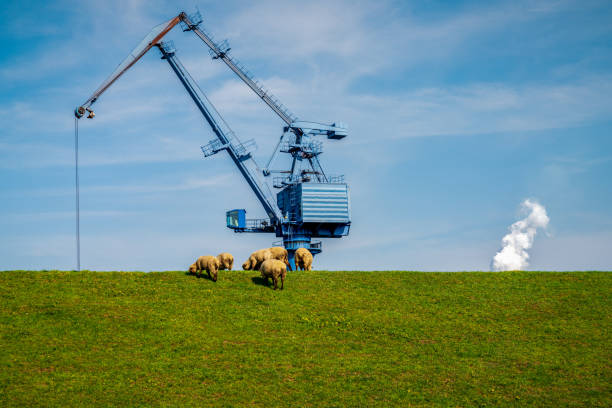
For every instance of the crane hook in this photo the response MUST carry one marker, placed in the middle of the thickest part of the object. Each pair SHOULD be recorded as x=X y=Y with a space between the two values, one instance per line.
x=79 y=112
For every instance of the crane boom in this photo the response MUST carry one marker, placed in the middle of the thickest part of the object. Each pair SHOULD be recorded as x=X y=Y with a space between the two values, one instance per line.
x=238 y=153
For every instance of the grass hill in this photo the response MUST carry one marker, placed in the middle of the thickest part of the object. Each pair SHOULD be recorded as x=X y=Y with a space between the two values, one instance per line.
x=329 y=339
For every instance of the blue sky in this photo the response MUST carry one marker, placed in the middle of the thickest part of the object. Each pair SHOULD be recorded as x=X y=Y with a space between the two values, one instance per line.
x=458 y=111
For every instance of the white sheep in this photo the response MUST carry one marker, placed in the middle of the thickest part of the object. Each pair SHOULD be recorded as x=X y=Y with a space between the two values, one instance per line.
x=273 y=268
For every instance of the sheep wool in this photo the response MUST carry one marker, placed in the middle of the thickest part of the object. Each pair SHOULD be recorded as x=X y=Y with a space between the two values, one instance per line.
x=303 y=259
x=256 y=259
x=226 y=261
x=273 y=268
x=281 y=254
x=207 y=263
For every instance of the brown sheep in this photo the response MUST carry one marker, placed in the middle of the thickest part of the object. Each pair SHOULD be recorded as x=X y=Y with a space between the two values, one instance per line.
x=256 y=259
x=273 y=268
x=303 y=259
x=208 y=263
x=226 y=261
x=281 y=254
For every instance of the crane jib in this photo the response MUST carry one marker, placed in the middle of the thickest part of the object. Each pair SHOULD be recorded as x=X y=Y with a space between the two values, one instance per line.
x=150 y=40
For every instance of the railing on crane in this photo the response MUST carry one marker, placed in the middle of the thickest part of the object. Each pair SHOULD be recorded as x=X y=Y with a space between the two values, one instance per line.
x=220 y=50
x=283 y=181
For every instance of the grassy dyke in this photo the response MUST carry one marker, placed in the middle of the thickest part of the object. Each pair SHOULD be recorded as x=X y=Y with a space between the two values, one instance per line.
x=329 y=339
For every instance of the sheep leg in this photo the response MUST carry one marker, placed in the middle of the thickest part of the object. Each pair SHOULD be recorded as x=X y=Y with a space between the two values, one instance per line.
x=275 y=279
x=282 y=281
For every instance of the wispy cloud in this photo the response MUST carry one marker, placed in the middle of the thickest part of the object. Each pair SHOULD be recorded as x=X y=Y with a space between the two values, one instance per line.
x=55 y=215
x=190 y=183
x=456 y=110
x=488 y=108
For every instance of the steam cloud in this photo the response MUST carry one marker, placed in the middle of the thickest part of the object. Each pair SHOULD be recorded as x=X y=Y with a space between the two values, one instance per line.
x=513 y=255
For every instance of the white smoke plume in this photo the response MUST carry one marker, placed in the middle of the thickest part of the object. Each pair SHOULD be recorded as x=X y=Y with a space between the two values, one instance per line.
x=513 y=256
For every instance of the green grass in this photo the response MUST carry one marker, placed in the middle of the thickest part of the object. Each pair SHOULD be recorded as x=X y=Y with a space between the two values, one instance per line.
x=329 y=339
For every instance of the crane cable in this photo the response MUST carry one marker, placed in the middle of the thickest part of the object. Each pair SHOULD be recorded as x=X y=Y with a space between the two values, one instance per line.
x=76 y=182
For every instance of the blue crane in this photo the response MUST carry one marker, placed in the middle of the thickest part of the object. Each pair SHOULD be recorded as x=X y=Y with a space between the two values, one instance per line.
x=309 y=203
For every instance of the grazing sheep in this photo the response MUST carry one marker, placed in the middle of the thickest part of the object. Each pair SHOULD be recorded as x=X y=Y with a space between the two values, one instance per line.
x=255 y=260
x=226 y=261
x=303 y=259
x=208 y=263
x=280 y=253
x=273 y=268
